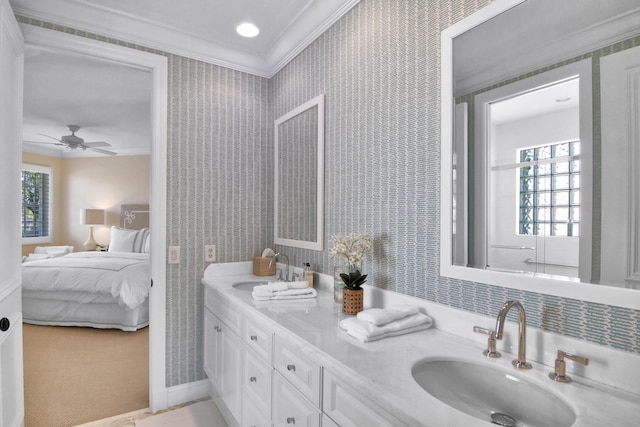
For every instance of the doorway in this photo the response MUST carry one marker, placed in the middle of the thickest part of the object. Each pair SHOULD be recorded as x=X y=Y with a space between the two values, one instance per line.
x=56 y=41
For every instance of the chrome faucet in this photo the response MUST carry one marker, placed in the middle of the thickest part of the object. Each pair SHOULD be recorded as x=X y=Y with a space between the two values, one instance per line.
x=520 y=362
x=275 y=258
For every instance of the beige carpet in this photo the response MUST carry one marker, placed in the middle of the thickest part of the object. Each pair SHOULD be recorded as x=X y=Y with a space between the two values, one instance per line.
x=76 y=375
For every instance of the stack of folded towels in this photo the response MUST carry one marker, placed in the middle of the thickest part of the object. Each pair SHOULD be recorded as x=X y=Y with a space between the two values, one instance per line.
x=283 y=291
x=377 y=323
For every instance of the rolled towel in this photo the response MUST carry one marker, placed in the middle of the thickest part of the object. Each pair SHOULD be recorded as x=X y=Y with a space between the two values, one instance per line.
x=284 y=295
x=366 y=331
x=382 y=316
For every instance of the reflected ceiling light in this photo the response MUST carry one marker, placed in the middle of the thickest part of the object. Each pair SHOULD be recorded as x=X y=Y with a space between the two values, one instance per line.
x=247 y=29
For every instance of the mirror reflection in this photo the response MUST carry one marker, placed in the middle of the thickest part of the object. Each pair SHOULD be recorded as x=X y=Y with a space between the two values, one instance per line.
x=542 y=176
x=299 y=177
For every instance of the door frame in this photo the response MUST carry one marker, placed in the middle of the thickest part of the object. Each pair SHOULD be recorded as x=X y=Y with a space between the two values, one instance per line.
x=157 y=65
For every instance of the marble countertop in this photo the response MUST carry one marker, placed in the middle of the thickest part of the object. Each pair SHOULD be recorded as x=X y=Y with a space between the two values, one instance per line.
x=382 y=369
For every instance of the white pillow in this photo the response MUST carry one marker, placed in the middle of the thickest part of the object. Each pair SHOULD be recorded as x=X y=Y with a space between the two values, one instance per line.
x=122 y=240
x=141 y=240
x=147 y=244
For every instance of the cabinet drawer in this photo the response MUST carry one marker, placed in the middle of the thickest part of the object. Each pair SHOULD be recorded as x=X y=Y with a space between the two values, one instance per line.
x=230 y=312
x=258 y=337
x=304 y=374
x=290 y=408
x=212 y=301
x=349 y=408
x=252 y=415
x=328 y=422
x=256 y=381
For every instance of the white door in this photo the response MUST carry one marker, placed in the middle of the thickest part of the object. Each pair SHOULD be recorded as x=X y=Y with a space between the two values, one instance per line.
x=620 y=97
x=11 y=367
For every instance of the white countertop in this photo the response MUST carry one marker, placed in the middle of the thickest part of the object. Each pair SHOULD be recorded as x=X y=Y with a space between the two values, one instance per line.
x=382 y=369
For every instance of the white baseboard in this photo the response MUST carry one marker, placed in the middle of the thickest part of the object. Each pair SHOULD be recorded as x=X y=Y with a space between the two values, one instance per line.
x=188 y=392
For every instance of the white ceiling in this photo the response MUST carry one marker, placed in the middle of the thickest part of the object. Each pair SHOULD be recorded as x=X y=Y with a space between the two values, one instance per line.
x=111 y=102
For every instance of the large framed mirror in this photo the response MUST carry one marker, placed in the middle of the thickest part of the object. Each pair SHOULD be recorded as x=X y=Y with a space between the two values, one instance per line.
x=540 y=147
x=299 y=176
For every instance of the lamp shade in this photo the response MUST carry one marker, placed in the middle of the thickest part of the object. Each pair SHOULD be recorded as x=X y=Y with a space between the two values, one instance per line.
x=91 y=216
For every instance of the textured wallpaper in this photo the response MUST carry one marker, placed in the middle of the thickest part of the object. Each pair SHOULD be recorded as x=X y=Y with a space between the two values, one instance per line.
x=379 y=67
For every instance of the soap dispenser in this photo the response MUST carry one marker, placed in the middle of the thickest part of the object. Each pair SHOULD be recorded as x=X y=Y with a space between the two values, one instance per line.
x=308 y=274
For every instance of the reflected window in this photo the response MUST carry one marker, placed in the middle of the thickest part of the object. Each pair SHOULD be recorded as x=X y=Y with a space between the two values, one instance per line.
x=549 y=190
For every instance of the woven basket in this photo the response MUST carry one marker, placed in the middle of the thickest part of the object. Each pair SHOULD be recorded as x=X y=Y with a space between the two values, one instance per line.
x=352 y=301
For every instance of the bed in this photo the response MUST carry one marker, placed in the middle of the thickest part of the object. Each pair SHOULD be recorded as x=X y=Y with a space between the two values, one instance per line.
x=98 y=289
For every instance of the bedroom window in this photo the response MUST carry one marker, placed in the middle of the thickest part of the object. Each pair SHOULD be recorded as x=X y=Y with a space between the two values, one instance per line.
x=36 y=204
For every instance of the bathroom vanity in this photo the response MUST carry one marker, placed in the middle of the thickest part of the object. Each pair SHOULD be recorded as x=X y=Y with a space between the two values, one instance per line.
x=289 y=363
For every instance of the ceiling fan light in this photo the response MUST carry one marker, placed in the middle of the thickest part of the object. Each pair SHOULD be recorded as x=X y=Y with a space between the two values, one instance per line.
x=247 y=29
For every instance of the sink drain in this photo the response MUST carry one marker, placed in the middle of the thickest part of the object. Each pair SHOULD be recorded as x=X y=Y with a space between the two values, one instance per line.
x=503 y=420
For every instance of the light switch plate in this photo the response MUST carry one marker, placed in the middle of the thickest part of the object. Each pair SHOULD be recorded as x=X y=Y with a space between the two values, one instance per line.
x=174 y=254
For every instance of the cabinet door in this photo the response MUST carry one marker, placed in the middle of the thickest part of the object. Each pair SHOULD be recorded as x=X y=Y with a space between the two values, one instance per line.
x=256 y=382
x=252 y=415
x=212 y=348
x=231 y=356
x=290 y=408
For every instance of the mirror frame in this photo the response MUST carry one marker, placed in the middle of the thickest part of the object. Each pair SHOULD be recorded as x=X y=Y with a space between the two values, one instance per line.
x=622 y=297
x=318 y=244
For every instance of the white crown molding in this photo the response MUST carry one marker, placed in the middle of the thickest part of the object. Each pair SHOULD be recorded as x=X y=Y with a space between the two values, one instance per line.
x=317 y=18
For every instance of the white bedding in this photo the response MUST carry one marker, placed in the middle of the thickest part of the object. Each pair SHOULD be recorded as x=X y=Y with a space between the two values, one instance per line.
x=90 y=277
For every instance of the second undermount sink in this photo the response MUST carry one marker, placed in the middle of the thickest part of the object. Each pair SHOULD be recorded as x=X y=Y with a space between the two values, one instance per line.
x=247 y=286
x=491 y=394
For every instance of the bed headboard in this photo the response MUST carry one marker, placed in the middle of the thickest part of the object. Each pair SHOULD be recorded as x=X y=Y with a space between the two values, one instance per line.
x=134 y=217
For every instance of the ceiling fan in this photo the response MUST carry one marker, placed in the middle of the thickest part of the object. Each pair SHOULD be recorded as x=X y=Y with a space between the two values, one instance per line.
x=74 y=142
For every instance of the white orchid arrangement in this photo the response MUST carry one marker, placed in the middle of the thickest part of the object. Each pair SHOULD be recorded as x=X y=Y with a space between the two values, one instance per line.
x=353 y=248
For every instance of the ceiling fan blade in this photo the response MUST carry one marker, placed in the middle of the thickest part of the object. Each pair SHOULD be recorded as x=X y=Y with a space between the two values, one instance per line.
x=99 y=150
x=97 y=144
x=42 y=134
x=43 y=142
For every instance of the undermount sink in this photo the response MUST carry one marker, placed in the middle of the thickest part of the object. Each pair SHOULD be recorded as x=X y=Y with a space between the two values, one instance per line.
x=247 y=286
x=491 y=394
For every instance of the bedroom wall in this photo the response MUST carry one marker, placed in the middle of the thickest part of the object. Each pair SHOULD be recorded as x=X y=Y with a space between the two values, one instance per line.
x=91 y=182
x=380 y=68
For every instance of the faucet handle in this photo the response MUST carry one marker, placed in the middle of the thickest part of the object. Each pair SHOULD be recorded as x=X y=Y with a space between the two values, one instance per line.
x=560 y=372
x=491 y=351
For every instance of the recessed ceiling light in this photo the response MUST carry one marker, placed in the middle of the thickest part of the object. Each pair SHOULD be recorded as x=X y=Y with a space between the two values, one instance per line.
x=247 y=29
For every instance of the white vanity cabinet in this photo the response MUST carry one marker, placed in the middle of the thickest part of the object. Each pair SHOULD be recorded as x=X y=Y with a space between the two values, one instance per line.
x=223 y=355
x=263 y=375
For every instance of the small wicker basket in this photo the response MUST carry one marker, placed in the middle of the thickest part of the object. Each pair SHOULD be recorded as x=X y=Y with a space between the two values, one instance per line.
x=261 y=266
x=352 y=301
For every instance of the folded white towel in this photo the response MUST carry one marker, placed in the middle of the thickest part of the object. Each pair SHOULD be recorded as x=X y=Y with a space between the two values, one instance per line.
x=283 y=286
x=265 y=295
x=365 y=338
x=366 y=331
x=277 y=286
x=263 y=291
x=382 y=316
